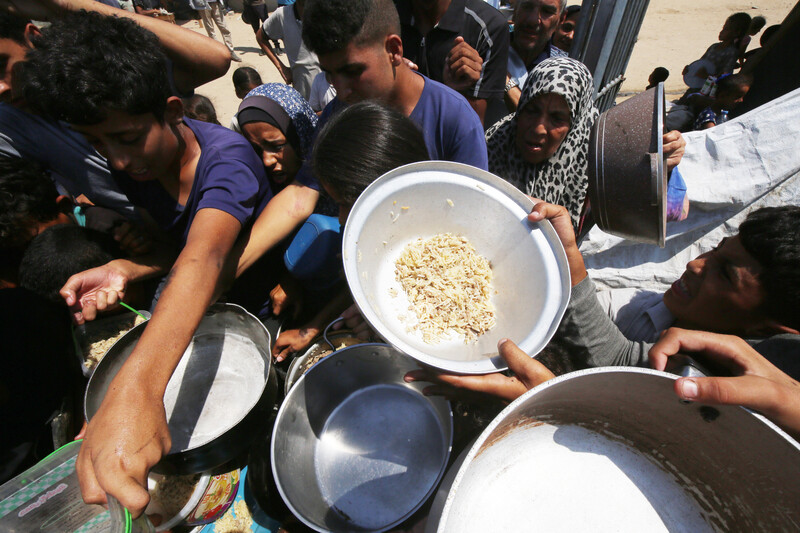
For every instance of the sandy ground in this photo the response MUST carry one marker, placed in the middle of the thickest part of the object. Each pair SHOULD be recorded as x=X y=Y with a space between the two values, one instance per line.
x=674 y=33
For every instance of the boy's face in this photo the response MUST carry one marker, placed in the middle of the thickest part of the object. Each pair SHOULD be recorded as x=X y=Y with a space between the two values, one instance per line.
x=139 y=145
x=720 y=291
x=360 y=72
x=565 y=33
x=730 y=99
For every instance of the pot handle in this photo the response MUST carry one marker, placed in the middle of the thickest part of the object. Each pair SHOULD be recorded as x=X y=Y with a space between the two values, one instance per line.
x=327 y=328
x=685 y=367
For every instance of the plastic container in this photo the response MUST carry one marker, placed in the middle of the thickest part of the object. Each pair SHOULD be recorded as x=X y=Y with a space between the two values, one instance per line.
x=722 y=117
x=46 y=498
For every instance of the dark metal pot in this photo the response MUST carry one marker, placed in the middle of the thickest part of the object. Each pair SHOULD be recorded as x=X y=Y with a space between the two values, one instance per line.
x=210 y=424
x=627 y=174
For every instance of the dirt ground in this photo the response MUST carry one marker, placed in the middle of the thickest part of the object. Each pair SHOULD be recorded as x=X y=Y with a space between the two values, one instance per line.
x=674 y=33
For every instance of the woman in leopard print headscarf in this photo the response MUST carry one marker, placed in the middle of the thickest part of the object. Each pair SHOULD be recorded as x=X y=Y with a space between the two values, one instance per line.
x=542 y=148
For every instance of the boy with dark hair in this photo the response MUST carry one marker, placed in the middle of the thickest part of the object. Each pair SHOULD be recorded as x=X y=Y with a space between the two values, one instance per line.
x=65 y=154
x=202 y=183
x=461 y=43
x=731 y=90
x=359 y=46
x=245 y=79
x=30 y=203
x=60 y=252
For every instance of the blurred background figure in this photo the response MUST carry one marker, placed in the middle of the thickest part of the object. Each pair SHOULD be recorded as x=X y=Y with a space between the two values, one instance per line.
x=565 y=32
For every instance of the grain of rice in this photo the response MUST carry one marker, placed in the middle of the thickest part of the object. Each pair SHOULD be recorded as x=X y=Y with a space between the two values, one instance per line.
x=448 y=286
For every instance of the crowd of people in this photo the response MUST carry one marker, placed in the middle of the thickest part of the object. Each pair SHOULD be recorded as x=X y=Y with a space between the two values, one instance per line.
x=118 y=183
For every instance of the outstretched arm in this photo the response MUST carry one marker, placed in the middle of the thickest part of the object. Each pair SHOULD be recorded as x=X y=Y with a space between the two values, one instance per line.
x=117 y=453
x=196 y=59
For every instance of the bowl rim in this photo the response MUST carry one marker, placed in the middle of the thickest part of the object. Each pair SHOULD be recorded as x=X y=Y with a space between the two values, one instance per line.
x=349 y=257
x=331 y=360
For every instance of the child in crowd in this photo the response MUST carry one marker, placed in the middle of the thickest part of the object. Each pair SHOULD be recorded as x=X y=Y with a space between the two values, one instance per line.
x=60 y=252
x=358 y=44
x=30 y=203
x=200 y=108
x=731 y=90
x=659 y=75
x=245 y=79
x=203 y=184
x=721 y=57
x=565 y=32
x=756 y=25
x=357 y=146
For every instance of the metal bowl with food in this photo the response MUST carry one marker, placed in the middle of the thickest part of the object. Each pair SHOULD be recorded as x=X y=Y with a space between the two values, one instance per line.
x=354 y=447
x=529 y=288
x=321 y=347
x=614 y=449
x=223 y=387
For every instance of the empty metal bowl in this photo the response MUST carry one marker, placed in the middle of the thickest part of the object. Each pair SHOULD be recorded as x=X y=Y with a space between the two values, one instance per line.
x=354 y=447
x=613 y=449
x=530 y=272
x=627 y=174
x=222 y=388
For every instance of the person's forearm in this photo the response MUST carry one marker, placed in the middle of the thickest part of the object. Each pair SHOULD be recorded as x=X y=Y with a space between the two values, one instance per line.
x=196 y=58
x=479 y=105
x=146 y=266
x=590 y=333
x=188 y=291
x=282 y=215
x=332 y=310
x=266 y=46
x=511 y=98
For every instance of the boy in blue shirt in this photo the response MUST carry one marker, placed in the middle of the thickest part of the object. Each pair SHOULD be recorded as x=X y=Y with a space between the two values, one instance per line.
x=203 y=184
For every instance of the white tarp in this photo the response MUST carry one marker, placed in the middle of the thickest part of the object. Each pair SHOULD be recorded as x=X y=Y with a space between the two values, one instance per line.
x=730 y=170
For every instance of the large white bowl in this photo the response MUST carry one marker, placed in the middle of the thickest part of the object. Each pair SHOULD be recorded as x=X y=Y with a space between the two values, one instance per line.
x=530 y=270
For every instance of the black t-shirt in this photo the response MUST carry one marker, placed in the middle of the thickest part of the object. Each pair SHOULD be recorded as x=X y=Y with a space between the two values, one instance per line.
x=481 y=26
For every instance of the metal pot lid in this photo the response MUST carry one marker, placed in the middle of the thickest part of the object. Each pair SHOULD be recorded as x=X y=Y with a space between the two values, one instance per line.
x=614 y=449
x=530 y=270
x=627 y=172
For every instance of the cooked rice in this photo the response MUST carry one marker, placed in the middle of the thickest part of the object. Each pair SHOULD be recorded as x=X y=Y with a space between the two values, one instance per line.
x=241 y=523
x=448 y=286
x=100 y=342
x=173 y=492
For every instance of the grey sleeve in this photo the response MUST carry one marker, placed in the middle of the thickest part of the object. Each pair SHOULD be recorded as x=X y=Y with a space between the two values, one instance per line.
x=592 y=337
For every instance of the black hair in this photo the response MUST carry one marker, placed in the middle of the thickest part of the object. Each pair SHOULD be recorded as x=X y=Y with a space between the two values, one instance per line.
x=199 y=107
x=13 y=27
x=741 y=22
x=331 y=25
x=756 y=24
x=362 y=143
x=660 y=74
x=59 y=252
x=86 y=63
x=27 y=197
x=570 y=10
x=770 y=235
x=768 y=34
x=733 y=82
x=245 y=77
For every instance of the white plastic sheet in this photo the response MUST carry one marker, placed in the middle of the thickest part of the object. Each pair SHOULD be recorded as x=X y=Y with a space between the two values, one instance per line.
x=730 y=170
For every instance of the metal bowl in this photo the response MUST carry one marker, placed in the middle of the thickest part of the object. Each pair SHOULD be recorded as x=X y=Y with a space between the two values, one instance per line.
x=613 y=449
x=529 y=266
x=329 y=342
x=354 y=447
x=627 y=174
x=223 y=387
